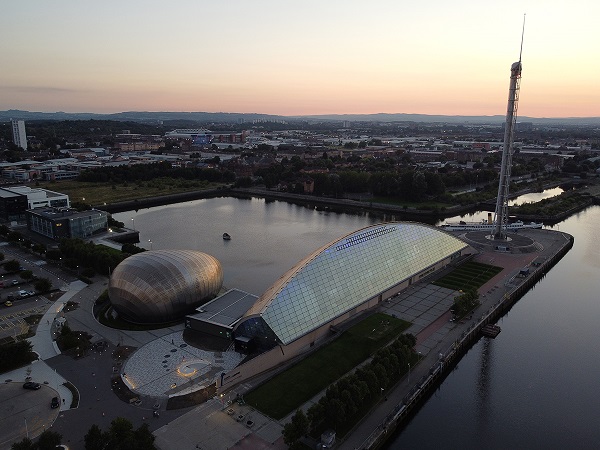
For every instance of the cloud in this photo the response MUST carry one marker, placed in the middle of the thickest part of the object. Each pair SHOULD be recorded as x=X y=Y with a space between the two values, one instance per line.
x=39 y=89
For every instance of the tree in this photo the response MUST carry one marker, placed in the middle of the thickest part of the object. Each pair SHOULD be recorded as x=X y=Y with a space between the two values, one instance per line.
x=43 y=285
x=120 y=436
x=26 y=275
x=294 y=430
x=12 y=265
x=48 y=440
x=25 y=444
x=95 y=439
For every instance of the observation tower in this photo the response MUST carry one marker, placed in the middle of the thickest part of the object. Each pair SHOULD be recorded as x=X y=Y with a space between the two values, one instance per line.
x=501 y=212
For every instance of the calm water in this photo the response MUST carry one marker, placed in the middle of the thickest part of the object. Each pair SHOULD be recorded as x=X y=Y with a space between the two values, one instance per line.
x=534 y=386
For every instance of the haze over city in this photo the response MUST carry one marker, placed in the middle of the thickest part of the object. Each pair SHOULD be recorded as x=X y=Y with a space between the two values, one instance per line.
x=313 y=57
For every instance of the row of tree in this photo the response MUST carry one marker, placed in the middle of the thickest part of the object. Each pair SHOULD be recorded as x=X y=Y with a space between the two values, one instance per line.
x=77 y=252
x=346 y=400
x=147 y=172
x=120 y=436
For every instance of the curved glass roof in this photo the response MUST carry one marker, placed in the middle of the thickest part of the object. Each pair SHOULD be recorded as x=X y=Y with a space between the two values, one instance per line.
x=347 y=272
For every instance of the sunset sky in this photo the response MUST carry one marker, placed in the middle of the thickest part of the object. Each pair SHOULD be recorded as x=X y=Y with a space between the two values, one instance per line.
x=297 y=58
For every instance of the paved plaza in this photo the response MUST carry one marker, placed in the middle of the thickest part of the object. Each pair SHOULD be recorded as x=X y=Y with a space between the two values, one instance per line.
x=168 y=366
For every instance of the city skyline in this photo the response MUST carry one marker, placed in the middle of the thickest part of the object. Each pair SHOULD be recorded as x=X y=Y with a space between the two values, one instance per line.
x=307 y=59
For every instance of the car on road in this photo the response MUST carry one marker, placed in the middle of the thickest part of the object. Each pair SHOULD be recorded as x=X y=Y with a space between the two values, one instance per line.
x=23 y=293
x=54 y=403
x=32 y=385
x=14 y=282
x=7 y=303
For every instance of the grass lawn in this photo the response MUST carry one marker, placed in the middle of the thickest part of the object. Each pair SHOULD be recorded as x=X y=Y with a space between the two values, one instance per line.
x=287 y=391
x=471 y=275
x=101 y=193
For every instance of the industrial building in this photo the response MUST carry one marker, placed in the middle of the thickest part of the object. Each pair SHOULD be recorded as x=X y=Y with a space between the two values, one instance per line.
x=58 y=223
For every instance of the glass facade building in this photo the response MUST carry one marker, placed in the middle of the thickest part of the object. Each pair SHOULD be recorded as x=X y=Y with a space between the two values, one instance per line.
x=164 y=285
x=344 y=275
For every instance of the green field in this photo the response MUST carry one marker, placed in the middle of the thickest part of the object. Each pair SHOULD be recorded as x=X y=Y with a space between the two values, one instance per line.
x=105 y=193
x=471 y=275
x=288 y=390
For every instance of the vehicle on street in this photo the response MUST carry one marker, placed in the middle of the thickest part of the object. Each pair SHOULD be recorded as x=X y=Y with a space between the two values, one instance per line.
x=7 y=303
x=23 y=293
x=54 y=403
x=32 y=385
x=14 y=282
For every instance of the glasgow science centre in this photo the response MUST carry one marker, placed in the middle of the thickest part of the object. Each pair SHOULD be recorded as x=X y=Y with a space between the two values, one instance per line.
x=335 y=283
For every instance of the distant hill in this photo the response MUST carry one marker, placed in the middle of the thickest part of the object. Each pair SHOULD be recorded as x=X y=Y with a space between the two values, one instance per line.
x=221 y=117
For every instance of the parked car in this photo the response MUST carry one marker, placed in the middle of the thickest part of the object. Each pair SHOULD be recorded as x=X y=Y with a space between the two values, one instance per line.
x=7 y=303
x=23 y=293
x=32 y=385
x=14 y=282
x=54 y=403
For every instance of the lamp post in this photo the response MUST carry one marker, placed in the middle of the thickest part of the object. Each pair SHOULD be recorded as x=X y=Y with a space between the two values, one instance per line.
x=149 y=240
x=408 y=372
x=133 y=224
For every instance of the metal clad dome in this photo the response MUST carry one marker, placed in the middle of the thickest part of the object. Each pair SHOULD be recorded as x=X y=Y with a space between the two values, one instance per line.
x=164 y=285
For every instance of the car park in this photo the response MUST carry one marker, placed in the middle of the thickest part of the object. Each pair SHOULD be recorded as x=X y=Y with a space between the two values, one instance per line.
x=32 y=385
x=54 y=403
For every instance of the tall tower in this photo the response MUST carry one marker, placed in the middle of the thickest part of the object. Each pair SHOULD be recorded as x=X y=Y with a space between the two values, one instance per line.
x=18 y=132
x=501 y=213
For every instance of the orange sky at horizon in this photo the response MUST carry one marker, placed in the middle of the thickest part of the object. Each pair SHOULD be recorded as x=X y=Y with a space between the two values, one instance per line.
x=266 y=57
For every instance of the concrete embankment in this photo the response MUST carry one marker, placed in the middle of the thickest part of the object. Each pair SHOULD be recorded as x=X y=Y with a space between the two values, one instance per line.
x=161 y=200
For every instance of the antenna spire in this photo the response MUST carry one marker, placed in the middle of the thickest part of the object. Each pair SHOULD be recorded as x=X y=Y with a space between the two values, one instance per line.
x=522 y=35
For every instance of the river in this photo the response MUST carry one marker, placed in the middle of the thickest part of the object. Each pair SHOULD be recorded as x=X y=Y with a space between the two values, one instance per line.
x=534 y=386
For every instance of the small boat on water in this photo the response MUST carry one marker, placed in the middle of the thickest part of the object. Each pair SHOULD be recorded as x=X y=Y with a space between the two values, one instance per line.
x=226 y=237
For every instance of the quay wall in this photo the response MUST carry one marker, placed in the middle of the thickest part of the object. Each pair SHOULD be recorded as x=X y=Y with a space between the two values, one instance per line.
x=424 y=387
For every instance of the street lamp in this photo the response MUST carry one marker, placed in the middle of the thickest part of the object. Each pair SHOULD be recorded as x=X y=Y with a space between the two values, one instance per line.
x=133 y=224
x=409 y=372
x=150 y=244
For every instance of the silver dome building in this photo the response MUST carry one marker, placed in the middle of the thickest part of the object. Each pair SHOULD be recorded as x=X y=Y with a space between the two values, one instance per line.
x=163 y=285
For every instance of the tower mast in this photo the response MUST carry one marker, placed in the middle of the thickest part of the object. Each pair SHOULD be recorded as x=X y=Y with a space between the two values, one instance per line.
x=501 y=213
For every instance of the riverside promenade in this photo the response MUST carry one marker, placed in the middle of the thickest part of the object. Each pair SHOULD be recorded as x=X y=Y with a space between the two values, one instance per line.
x=441 y=342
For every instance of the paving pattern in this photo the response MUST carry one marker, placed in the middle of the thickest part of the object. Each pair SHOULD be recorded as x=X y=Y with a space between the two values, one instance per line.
x=168 y=366
x=421 y=305
x=14 y=320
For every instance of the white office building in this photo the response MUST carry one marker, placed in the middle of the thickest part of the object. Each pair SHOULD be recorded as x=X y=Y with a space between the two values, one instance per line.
x=18 y=132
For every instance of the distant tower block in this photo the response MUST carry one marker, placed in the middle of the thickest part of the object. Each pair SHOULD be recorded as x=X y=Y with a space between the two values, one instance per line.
x=18 y=132
x=501 y=213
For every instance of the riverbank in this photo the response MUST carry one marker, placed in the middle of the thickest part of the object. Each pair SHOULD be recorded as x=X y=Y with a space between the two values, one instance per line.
x=443 y=348
x=398 y=212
